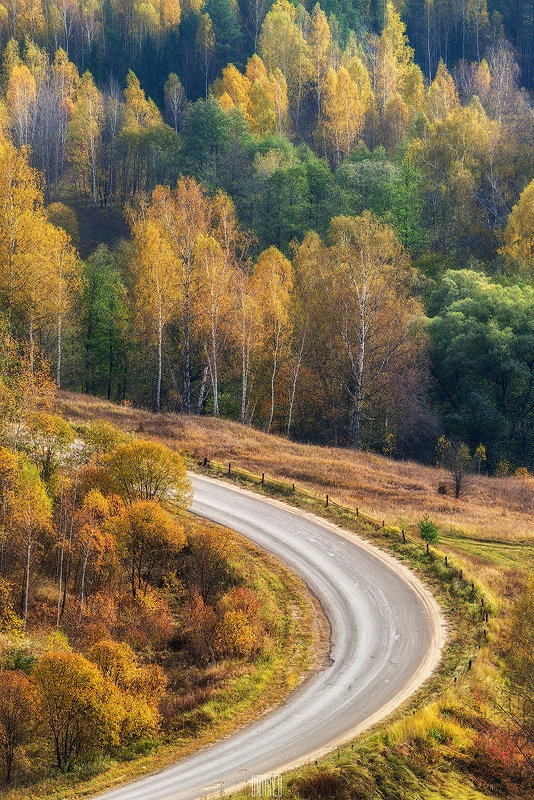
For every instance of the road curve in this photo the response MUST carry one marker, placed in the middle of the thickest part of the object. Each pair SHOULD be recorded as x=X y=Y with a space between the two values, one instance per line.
x=386 y=638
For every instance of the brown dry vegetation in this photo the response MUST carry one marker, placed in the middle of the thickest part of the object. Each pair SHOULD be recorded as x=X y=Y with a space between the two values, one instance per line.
x=494 y=510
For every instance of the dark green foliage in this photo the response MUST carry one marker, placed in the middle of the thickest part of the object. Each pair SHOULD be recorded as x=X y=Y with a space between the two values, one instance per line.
x=389 y=188
x=186 y=60
x=483 y=362
x=282 y=207
x=227 y=32
x=104 y=325
x=206 y=131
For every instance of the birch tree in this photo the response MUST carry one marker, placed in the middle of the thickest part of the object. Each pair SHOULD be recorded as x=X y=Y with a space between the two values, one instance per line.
x=274 y=274
x=359 y=284
x=175 y=100
x=250 y=334
x=32 y=515
x=157 y=284
x=65 y=279
x=216 y=294
x=21 y=91
x=183 y=214
x=85 y=131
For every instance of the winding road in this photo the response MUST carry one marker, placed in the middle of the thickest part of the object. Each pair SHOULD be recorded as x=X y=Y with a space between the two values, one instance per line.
x=387 y=633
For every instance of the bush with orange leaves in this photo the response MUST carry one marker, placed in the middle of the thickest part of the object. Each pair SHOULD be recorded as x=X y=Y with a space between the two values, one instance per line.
x=81 y=711
x=17 y=714
x=207 y=566
x=230 y=628
x=239 y=631
x=199 y=628
x=143 y=620
x=149 y=539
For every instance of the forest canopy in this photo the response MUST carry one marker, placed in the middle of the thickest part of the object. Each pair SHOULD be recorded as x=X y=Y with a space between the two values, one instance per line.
x=315 y=219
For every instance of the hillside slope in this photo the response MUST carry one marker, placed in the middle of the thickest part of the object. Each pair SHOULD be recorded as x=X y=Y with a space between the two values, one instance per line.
x=494 y=509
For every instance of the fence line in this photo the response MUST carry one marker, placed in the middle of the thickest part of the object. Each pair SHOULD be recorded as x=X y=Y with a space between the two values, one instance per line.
x=289 y=490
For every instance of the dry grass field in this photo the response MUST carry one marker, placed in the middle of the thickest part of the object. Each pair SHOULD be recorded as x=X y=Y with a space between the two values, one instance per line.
x=493 y=522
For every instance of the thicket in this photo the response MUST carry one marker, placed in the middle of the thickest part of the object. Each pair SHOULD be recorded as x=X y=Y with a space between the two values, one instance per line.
x=113 y=601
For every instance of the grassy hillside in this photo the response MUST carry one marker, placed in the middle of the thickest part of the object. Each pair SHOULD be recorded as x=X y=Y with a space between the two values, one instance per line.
x=493 y=523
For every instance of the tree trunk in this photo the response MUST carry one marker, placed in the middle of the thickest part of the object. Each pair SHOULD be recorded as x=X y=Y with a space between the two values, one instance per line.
x=214 y=375
x=294 y=386
x=61 y=556
x=202 y=392
x=59 y=352
x=84 y=570
x=273 y=376
x=27 y=579
x=187 y=349
x=245 y=365
x=32 y=345
x=160 y=338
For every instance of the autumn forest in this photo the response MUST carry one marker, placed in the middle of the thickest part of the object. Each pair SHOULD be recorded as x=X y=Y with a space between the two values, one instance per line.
x=316 y=220
x=298 y=218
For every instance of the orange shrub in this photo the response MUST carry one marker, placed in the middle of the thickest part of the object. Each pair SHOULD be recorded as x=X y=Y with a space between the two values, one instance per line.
x=143 y=620
x=200 y=627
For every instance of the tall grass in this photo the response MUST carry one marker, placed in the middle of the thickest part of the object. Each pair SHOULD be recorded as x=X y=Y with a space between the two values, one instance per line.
x=496 y=509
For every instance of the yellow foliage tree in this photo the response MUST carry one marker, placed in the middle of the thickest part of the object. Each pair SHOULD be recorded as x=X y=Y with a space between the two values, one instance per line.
x=138 y=112
x=32 y=514
x=85 y=131
x=273 y=274
x=357 y=290
x=343 y=114
x=261 y=97
x=149 y=471
x=217 y=276
x=519 y=232
x=81 y=711
x=148 y=538
x=157 y=282
x=284 y=47
x=250 y=334
x=442 y=97
x=21 y=92
x=319 y=44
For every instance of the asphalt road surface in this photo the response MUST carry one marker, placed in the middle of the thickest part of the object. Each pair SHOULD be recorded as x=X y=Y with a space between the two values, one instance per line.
x=386 y=638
